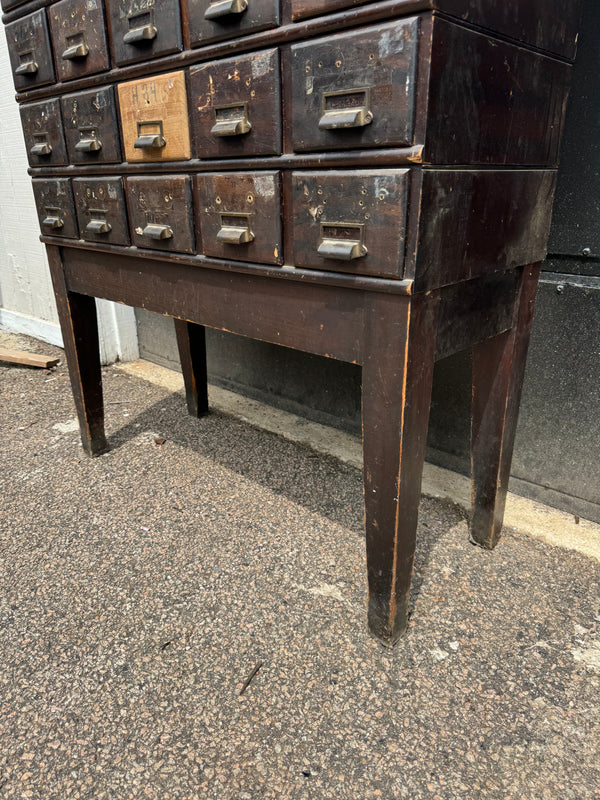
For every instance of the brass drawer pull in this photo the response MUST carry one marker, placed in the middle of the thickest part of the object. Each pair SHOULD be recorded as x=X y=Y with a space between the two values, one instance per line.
x=41 y=149
x=142 y=29
x=88 y=144
x=28 y=65
x=223 y=8
x=53 y=221
x=158 y=232
x=150 y=135
x=341 y=241
x=98 y=226
x=345 y=109
x=231 y=120
x=235 y=229
x=76 y=48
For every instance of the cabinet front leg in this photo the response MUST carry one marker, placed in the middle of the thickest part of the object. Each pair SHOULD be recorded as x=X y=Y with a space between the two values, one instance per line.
x=191 y=341
x=498 y=370
x=79 y=326
x=396 y=395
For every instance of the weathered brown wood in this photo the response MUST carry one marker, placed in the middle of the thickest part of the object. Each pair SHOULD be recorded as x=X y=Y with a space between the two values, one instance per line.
x=78 y=322
x=27 y=359
x=55 y=207
x=491 y=102
x=191 y=343
x=78 y=24
x=30 y=52
x=257 y=16
x=350 y=221
x=498 y=368
x=240 y=219
x=101 y=210
x=91 y=127
x=240 y=116
x=396 y=394
x=163 y=202
x=43 y=132
x=373 y=70
x=155 y=105
x=143 y=30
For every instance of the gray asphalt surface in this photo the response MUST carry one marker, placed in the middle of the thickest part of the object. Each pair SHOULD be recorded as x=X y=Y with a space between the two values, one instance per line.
x=140 y=589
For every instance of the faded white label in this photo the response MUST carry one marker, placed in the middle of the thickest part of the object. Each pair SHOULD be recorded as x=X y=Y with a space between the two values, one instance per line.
x=264 y=185
x=261 y=65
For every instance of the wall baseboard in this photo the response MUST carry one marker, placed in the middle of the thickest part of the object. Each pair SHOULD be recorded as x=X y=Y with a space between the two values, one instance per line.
x=14 y=322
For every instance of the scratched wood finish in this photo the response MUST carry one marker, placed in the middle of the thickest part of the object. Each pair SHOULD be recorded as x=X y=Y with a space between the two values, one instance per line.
x=191 y=343
x=366 y=206
x=163 y=201
x=90 y=121
x=498 y=366
x=258 y=15
x=153 y=104
x=373 y=68
x=101 y=210
x=144 y=29
x=501 y=216
x=43 y=133
x=251 y=202
x=55 y=208
x=78 y=23
x=491 y=102
x=243 y=91
x=29 y=50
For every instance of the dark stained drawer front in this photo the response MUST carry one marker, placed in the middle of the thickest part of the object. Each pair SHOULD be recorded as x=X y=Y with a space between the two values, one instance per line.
x=101 y=210
x=355 y=89
x=236 y=106
x=43 y=132
x=160 y=213
x=154 y=118
x=91 y=130
x=54 y=202
x=143 y=29
x=350 y=221
x=225 y=19
x=239 y=216
x=78 y=38
x=30 y=51
x=311 y=8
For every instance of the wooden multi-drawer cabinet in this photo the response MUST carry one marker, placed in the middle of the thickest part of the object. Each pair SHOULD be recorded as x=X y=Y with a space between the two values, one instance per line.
x=371 y=181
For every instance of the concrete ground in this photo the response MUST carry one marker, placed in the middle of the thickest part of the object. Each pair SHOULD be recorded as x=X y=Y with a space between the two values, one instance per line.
x=139 y=590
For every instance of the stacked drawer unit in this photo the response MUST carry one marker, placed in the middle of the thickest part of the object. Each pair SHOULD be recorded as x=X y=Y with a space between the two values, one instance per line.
x=355 y=142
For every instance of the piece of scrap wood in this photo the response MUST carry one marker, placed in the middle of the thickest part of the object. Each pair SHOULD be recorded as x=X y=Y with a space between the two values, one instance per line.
x=28 y=359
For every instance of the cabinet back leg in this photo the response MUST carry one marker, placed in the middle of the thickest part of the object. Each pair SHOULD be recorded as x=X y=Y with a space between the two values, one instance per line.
x=191 y=342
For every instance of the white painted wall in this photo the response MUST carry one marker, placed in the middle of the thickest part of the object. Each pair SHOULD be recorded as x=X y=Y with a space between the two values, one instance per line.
x=26 y=296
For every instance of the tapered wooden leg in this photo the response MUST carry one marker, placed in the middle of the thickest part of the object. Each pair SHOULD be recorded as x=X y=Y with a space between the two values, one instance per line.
x=396 y=394
x=498 y=369
x=79 y=326
x=191 y=341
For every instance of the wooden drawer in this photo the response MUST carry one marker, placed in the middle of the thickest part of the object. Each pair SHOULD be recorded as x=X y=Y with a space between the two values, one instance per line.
x=355 y=89
x=91 y=130
x=30 y=51
x=160 y=213
x=143 y=29
x=350 y=221
x=54 y=202
x=79 y=38
x=101 y=210
x=239 y=117
x=154 y=118
x=43 y=132
x=239 y=216
x=226 y=19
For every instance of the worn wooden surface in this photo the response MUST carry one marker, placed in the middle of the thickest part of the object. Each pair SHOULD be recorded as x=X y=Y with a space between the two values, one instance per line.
x=164 y=201
x=191 y=344
x=100 y=200
x=92 y=114
x=241 y=88
x=27 y=359
x=28 y=42
x=129 y=15
x=369 y=205
x=78 y=22
x=54 y=201
x=43 y=133
x=252 y=200
x=161 y=98
x=258 y=15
